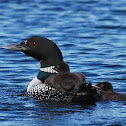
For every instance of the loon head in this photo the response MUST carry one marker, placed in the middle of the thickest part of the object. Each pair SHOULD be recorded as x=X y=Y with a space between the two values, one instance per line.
x=43 y=50
x=62 y=67
x=104 y=86
x=40 y=48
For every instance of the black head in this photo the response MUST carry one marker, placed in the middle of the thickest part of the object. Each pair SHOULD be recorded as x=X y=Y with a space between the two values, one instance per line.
x=62 y=67
x=104 y=86
x=40 y=48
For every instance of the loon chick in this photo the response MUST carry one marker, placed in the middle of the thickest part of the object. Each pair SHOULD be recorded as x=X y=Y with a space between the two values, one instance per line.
x=64 y=80
x=49 y=55
x=108 y=92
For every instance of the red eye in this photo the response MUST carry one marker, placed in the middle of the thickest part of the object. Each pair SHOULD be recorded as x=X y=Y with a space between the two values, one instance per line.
x=34 y=44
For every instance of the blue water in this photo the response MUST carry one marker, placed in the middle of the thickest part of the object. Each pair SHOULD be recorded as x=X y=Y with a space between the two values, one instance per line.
x=92 y=37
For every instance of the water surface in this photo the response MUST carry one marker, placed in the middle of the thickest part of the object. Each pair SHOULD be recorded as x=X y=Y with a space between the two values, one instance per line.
x=92 y=37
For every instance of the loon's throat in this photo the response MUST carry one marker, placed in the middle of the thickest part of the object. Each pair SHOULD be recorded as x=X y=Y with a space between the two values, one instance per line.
x=44 y=73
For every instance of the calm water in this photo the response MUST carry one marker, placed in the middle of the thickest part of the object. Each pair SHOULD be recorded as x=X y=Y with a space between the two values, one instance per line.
x=92 y=37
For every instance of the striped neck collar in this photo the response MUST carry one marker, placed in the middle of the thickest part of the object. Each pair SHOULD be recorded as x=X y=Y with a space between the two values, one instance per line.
x=44 y=73
x=48 y=69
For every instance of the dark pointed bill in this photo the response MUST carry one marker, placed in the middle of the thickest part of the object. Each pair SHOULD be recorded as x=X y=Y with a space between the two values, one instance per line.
x=17 y=47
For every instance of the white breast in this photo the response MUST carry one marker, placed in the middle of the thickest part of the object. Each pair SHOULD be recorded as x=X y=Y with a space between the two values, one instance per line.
x=35 y=84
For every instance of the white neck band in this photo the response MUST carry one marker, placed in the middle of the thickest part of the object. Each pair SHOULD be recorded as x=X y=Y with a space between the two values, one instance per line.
x=48 y=69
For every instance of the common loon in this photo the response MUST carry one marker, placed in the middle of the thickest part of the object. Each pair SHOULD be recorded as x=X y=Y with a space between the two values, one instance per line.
x=49 y=55
x=108 y=92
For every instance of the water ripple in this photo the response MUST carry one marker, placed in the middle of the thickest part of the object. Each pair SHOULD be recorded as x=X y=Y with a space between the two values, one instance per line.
x=91 y=35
